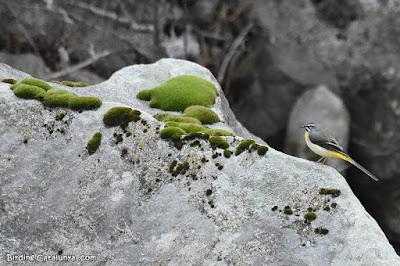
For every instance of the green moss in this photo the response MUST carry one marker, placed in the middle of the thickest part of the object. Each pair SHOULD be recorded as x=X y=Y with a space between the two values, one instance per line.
x=288 y=210
x=38 y=83
x=124 y=152
x=177 y=94
x=327 y=208
x=310 y=216
x=244 y=145
x=84 y=103
x=172 y=133
x=144 y=95
x=218 y=142
x=57 y=99
x=120 y=116
x=180 y=168
x=274 y=208
x=309 y=209
x=171 y=124
x=218 y=132
x=10 y=81
x=204 y=114
x=172 y=166
x=128 y=134
x=71 y=83
x=27 y=91
x=261 y=150
x=322 y=231
x=191 y=128
x=118 y=138
x=334 y=192
x=60 y=116
x=227 y=153
x=94 y=143
x=176 y=118
x=219 y=166
x=196 y=135
x=195 y=143
x=334 y=205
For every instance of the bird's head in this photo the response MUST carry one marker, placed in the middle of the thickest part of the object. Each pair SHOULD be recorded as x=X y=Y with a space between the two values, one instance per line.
x=310 y=127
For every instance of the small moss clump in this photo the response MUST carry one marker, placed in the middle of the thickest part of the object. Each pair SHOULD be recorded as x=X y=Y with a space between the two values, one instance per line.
x=196 y=135
x=227 y=153
x=219 y=166
x=274 y=208
x=84 y=103
x=204 y=114
x=310 y=216
x=120 y=116
x=322 y=231
x=261 y=150
x=25 y=91
x=41 y=91
x=180 y=168
x=176 y=118
x=327 y=208
x=9 y=81
x=60 y=116
x=172 y=133
x=38 y=83
x=118 y=138
x=177 y=94
x=195 y=143
x=191 y=128
x=172 y=166
x=94 y=143
x=334 y=205
x=71 y=83
x=124 y=152
x=218 y=142
x=288 y=210
x=244 y=145
x=334 y=192
x=218 y=132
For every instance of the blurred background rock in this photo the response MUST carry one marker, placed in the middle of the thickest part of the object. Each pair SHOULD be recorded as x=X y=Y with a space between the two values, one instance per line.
x=265 y=54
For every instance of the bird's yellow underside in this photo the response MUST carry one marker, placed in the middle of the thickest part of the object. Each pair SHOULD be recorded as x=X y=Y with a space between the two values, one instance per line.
x=324 y=152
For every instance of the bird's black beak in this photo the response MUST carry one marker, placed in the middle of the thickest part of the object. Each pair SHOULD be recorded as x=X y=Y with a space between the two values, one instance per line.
x=303 y=126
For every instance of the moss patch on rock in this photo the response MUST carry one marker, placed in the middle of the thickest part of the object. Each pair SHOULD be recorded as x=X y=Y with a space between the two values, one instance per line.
x=204 y=114
x=9 y=81
x=244 y=145
x=179 y=93
x=218 y=142
x=176 y=118
x=121 y=116
x=94 y=143
x=51 y=97
x=25 y=91
x=38 y=83
x=71 y=83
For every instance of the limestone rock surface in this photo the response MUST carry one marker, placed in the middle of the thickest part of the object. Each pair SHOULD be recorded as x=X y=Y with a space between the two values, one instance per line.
x=123 y=206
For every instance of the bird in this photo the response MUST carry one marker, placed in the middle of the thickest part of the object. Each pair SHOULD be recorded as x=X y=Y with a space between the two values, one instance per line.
x=326 y=146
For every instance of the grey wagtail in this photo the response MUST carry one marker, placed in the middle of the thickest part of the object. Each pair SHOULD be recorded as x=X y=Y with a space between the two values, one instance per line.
x=326 y=146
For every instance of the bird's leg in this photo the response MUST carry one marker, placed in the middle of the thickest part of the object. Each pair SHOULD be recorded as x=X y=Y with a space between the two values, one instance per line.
x=323 y=159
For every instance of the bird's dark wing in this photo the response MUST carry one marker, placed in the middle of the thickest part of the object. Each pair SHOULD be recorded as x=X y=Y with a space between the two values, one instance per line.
x=326 y=142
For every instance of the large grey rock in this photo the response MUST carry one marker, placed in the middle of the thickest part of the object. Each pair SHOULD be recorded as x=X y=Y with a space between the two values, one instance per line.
x=318 y=105
x=129 y=210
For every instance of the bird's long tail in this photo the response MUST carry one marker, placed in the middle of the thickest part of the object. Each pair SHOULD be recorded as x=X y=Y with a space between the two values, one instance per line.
x=362 y=168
